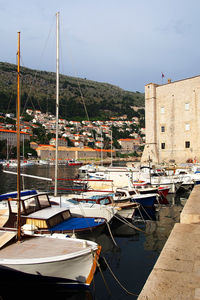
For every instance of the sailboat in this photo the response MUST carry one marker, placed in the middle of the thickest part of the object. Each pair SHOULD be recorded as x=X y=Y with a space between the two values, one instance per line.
x=75 y=222
x=84 y=210
x=72 y=261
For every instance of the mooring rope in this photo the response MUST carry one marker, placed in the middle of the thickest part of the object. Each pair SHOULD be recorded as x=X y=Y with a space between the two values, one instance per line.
x=106 y=285
x=111 y=234
x=130 y=293
x=123 y=220
x=146 y=213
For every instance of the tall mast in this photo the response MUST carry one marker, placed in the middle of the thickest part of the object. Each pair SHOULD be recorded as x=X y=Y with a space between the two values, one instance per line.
x=57 y=101
x=18 y=144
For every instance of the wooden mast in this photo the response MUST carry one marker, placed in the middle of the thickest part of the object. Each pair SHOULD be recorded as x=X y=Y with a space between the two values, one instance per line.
x=57 y=101
x=18 y=144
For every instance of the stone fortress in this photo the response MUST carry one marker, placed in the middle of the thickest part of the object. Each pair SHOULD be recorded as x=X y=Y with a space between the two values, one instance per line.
x=172 y=121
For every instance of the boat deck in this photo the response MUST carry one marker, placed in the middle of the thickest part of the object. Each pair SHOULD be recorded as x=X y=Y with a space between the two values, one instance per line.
x=4 y=215
x=124 y=204
x=46 y=213
x=41 y=247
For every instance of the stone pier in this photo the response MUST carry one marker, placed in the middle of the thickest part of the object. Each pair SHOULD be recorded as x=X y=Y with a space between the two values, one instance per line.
x=176 y=274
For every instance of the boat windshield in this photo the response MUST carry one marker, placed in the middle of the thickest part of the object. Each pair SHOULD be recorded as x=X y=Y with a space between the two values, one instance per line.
x=132 y=193
x=35 y=203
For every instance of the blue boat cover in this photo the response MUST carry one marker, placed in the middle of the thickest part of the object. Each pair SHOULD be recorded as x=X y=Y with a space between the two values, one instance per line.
x=77 y=224
x=14 y=194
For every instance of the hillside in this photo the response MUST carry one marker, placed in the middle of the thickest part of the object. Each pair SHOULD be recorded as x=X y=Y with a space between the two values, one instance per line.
x=77 y=96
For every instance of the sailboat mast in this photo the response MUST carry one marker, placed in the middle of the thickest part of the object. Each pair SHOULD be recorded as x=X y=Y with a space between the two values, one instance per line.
x=57 y=101
x=18 y=144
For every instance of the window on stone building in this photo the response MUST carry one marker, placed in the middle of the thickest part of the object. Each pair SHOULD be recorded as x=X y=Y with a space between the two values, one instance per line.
x=187 y=144
x=162 y=110
x=187 y=106
x=187 y=127
x=162 y=128
x=162 y=145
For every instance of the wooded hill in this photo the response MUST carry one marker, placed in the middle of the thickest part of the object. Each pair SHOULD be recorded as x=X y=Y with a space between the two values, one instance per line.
x=78 y=97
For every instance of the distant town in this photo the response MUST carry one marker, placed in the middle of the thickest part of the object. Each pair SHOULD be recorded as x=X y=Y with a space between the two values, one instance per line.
x=77 y=139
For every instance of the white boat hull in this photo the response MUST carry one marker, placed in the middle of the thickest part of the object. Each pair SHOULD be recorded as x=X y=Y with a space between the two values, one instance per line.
x=78 y=265
x=77 y=269
x=87 y=209
x=127 y=213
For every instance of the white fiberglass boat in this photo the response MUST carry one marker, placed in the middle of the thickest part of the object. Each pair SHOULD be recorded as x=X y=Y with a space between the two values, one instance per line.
x=84 y=209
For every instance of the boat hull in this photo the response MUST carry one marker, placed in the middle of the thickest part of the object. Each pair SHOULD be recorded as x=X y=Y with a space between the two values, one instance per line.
x=127 y=213
x=87 y=210
x=78 y=266
x=145 y=200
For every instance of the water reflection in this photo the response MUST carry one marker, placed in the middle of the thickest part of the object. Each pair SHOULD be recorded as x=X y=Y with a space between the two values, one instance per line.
x=9 y=182
x=157 y=232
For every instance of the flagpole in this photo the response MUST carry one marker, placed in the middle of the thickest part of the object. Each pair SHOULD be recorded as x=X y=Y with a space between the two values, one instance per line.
x=162 y=75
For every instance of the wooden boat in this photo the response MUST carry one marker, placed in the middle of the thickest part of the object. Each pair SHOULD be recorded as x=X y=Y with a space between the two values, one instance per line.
x=38 y=213
x=63 y=258
x=68 y=260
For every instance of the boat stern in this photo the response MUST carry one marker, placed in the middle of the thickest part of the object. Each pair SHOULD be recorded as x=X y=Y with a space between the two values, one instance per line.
x=96 y=255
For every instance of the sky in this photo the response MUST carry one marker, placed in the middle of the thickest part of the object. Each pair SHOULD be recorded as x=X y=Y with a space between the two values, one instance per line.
x=128 y=43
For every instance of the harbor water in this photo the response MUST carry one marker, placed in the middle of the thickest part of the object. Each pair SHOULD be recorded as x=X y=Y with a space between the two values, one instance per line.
x=128 y=255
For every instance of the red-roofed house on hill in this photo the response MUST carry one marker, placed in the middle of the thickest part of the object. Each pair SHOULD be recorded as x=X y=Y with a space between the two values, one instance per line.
x=61 y=142
x=11 y=136
x=130 y=144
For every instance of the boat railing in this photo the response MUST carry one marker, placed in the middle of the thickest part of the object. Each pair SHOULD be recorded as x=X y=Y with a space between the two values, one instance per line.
x=104 y=200
x=84 y=188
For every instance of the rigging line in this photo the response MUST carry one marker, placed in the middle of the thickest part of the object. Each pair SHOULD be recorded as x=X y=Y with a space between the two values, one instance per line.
x=130 y=293
x=30 y=87
x=81 y=94
x=79 y=88
x=24 y=107
x=83 y=100
x=12 y=91
x=61 y=50
x=36 y=72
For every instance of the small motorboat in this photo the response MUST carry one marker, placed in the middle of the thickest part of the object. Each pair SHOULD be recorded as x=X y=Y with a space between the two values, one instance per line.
x=73 y=162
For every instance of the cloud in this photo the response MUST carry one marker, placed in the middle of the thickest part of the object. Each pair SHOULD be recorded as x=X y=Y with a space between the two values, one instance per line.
x=178 y=27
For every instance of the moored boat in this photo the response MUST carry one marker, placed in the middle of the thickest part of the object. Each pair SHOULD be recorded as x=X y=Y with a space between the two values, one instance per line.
x=63 y=259
x=38 y=213
x=82 y=209
x=126 y=209
x=73 y=162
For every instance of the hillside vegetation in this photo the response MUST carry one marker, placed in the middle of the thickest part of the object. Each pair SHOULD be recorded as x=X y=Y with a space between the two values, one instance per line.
x=78 y=97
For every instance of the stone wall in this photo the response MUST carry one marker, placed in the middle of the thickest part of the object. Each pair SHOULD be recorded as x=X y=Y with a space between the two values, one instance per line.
x=172 y=121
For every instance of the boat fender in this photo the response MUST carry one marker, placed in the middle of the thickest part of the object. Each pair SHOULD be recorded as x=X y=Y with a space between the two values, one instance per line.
x=85 y=244
x=98 y=220
x=118 y=208
x=29 y=229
